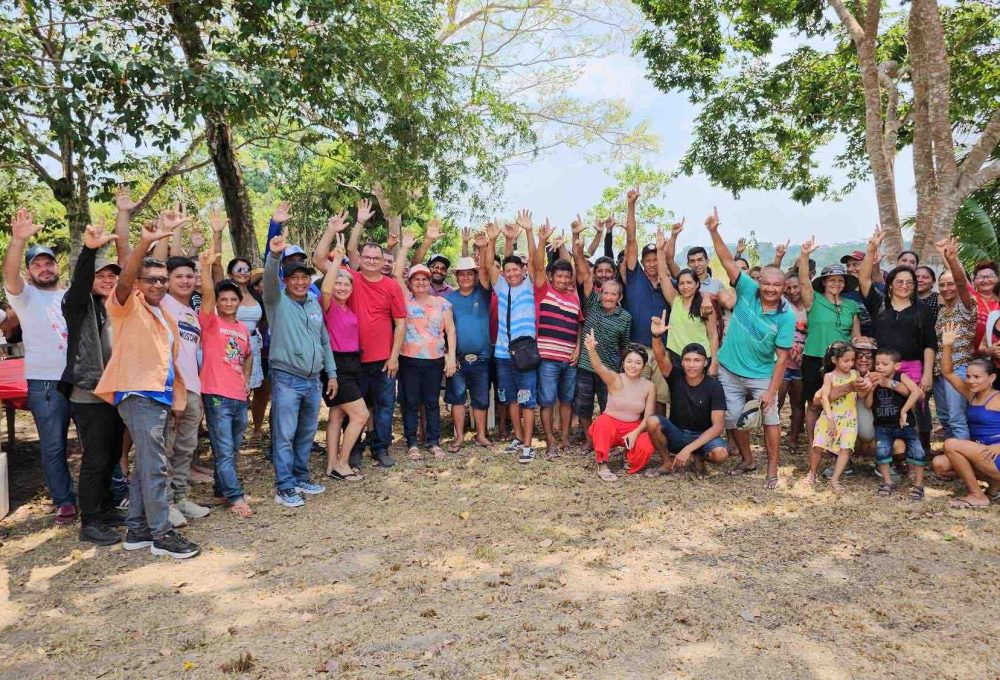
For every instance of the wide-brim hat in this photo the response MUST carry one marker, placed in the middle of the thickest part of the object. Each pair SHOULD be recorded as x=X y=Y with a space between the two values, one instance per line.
x=418 y=269
x=466 y=263
x=850 y=281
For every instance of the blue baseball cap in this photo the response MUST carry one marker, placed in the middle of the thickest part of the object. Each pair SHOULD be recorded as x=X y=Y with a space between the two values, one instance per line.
x=35 y=251
x=292 y=250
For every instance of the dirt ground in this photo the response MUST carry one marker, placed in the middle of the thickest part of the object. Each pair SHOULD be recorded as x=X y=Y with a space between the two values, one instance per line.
x=476 y=566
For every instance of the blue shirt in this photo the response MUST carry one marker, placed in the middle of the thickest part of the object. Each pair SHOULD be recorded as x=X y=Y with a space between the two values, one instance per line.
x=472 y=321
x=753 y=334
x=522 y=314
x=643 y=301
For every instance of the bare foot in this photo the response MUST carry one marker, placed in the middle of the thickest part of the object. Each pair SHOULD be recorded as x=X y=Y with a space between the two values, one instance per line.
x=484 y=442
x=241 y=509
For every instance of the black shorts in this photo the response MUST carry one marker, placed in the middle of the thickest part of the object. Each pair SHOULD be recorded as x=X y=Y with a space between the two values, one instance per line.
x=588 y=386
x=812 y=378
x=348 y=370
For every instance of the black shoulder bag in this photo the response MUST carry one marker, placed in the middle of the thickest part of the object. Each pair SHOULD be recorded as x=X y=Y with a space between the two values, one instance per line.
x=523 y=350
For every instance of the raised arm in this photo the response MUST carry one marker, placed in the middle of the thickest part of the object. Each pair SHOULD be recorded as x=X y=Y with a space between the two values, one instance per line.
x=808 y=248
x=207 y=259
x=871 y=257
x=524 y=222
x=272 y=283
x=510 y=234
x=326 y=291
x=218 y=223
x=780 y=251
x=125 y=207
x=152 y=233
x=671 y=247
x=948 y=248
x=171 y=221
x=721 y=249
x=949 y=334
x=610 y=378
x=598 y=236
x=658 y=327
x=662 y=263
x=22 y=228
x=631 y=245
x=488 y=273
x=399 y=264
x=466 y=237
x=584 y=277
x=431 y=234
x=334 y=227
x=77 y=296
x=537 y=259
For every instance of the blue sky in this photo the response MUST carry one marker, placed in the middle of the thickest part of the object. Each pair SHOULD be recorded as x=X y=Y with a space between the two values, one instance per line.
x=563 y=183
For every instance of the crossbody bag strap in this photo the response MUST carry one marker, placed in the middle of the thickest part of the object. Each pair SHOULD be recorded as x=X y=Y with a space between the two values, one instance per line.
x=510 y=294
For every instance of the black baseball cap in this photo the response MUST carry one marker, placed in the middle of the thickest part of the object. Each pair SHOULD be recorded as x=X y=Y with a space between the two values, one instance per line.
x=290 y=268
x=648 y=248
x=438 y=257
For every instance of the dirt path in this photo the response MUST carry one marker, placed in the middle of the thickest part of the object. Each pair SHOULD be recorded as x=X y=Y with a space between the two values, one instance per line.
x=479 y=567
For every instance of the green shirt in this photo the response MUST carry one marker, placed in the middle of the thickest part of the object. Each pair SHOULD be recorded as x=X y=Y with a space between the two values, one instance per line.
x=613 y=332
x=828 y=323
x=685 y=329
x=748 y=350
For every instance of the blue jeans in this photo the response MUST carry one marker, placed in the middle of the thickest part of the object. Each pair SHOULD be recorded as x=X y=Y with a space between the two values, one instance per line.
x=516 y=386
x=420 y=380
x=951 y=407
x=884 y=436
x=678 y=438
x=379 y=391
x=147 y=498
x=556 y=380
x=50 y=410
x=474 y=378
x=295 y=404
x=227 y=421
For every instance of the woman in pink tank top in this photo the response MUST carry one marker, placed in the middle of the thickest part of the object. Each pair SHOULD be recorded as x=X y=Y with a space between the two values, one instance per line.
x=631 y=399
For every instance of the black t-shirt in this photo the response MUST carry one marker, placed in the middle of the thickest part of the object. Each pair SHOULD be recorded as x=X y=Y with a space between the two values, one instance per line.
x=909 y=331
x=691 y=407
x=886 y=405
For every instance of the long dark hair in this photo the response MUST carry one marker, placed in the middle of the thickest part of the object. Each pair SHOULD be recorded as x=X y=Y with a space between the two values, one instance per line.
x=695 y=311
x=892 y=277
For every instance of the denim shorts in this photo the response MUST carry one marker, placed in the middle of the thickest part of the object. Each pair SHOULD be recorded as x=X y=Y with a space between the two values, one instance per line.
x=885 y=436
x=514 y=386
x=793 y=374
x=556 y=380
x=678 y=438
x=472 y=378
x=739 y=391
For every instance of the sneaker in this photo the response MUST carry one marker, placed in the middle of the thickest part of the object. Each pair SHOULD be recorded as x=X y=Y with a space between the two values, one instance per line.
x=355 y=461
x=527 y=455
x=514 y=446
x=289 y=498
x=176 y=517
x=309 y=488
x=113 y=518
x=137 y=540
x=191 y=509
x=383 y=459
x=66 y=514
x=99 y=533
x=122 y=504
x=172 y=544
x=828 y=472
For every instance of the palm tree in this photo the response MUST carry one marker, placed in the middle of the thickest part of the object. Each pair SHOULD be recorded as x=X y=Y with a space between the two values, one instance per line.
x=976 y=230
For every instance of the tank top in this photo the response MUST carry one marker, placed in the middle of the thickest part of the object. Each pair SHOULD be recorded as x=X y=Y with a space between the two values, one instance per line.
x=887 y=404
x=984 y=424
x=629 y=405
x=250 y=316
x=684 y=330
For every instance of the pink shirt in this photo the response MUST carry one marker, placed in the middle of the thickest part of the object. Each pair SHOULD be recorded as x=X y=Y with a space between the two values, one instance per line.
x=224 y=347
x=342 y=326
x=425 y=328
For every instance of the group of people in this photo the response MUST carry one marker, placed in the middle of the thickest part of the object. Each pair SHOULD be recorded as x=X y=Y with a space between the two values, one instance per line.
x=144 y=350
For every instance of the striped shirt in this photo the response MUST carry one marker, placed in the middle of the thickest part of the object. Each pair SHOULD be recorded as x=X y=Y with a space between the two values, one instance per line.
x=559 y=318
x=613 y=332
x=522 y=314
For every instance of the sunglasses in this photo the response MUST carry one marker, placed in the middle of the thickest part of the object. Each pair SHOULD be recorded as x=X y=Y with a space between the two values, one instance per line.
x=241 y=269
x=154 y=280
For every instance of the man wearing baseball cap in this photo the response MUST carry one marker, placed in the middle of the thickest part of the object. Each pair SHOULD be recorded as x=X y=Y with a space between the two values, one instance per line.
x=852 y=262
x=98 y=424
x=438 y=264
x=38 y=304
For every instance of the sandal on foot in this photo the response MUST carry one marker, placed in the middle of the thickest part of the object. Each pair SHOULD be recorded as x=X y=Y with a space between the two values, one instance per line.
x=964 y=504
x=552 y=452
x=743 y=469
x=607 y=475
x=414 y=453
x=438 y=452
x=916 y=494
x=653 y=473
x=885 y=490
x=455 y=446
x=770 y=483
x=838 y=488
x=809 y=480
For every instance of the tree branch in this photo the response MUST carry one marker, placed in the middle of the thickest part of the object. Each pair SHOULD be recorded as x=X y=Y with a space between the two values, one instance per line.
x=983 y=147
x=174 y=170
x=847 y=19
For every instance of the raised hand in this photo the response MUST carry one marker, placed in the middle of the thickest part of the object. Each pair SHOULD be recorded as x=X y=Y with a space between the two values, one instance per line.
x=466 y=234
x=482 y=239
x=712 y=221
x=197 y=239
x=876 y=240
x=633 y=195
x=217 y=220
x=96 y=238
x=658 y=324
x=524 y=220
x=208 y=257
x=282 y=212
x=949 y=334
x=174 y=218
x=338 y=251
x=492 y=232
x=22 y=225
x=809 y=247
x=741 y=247
x=337 y=223
x=511 y=231
x=577 y=225
x=433 y=231
x=676 y=228
x=556 y=243
x=365 y=210
x=154 y=231
x=545 y=231
x=392 y=240
x=590 y=340
x=278 y=245
x=123 y=199
x=408 y=239
x=781 y=249
x=609 y=222
x=661 y=241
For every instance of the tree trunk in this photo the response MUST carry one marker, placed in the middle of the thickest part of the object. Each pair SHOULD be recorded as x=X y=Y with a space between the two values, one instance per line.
x=72 y=190
x=219 y=138
x=924 y=174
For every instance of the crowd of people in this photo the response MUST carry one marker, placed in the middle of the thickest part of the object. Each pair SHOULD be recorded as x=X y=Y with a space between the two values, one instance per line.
x=143 y=351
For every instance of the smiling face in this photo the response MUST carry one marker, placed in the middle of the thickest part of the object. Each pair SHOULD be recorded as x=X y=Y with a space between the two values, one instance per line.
x=227 y=303
x=977 y=378
x=686 y=285
x=902 y=284
x=772 y=285
x=853 y=266
x=438 y=273
x=43 y=272
x=371 y=259
x=420 y=284
x=925 y=280
x=984 y=281
x=297 y=284
x=240 y=273
x=104 y=283
x=182 y=282
x=603 y=272
x=907 y=260
x=698 y=263
x=513 y=273
x=863 y=361
x=562 y=281
x=793 y=290
x=947 y=289
x=633 y=364
x=466 y=279
x=833 y=285
x=343 y=287
x=611 y=295
x=693 y=365
x=649 y=265
x=152 y=283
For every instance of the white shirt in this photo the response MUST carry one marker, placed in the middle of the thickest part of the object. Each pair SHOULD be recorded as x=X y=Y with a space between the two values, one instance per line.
x=187 y=353
x=43 y=328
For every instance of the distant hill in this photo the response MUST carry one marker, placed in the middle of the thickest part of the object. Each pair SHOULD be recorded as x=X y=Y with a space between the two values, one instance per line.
x=824 y=256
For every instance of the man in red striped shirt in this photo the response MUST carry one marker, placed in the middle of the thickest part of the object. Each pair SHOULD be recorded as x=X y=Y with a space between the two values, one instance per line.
x=558 y=313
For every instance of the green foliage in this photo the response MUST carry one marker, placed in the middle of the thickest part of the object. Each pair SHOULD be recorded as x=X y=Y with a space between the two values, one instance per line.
x=648 y=215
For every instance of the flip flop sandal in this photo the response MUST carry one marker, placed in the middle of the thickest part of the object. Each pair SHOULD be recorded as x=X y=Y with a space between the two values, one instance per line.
x=916 y=494
x=995 y=497
x=838 y=488
x=652 y=473
x=413 y=453
x=742 y=469
x=438 y=452
x=770 y=483
x=809 y=480
x=607 y=476
x=962 y=504
x=552 y=453
x=455 y=447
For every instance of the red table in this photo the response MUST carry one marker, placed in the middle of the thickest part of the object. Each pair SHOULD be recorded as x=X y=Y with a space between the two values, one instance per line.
x=13 y=392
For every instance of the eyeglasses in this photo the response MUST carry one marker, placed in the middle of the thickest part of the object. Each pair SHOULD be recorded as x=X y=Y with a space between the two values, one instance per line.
x=241 y=269
x=372 y=258
x=903 y=283
x=154 y=280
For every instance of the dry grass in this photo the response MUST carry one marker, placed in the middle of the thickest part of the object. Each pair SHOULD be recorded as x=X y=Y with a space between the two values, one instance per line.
x=476 y=566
